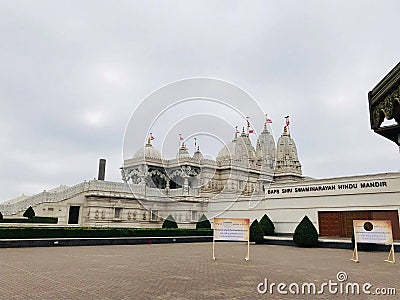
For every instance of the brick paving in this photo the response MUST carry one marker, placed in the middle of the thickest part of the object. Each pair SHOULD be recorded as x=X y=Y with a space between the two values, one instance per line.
x=183 y=271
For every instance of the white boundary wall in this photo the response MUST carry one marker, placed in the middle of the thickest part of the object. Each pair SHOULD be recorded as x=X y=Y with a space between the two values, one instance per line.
x=287 y=203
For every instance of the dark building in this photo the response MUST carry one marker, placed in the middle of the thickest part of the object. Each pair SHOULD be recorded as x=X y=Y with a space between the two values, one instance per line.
x=384 y=102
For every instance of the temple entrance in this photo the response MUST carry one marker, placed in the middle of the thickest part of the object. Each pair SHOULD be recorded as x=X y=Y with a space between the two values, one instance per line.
x=73 y=217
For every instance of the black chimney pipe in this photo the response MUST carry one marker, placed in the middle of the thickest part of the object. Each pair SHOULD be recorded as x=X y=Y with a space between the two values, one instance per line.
x=102 y=169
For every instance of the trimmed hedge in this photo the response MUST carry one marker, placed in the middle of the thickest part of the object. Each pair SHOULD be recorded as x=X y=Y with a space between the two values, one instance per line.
x=267 y=226
x=35 y=232
x=305 y=234
x=203 y=223
x=256 y=233
x=47 y=220
x=170 y=223
x=29 y=213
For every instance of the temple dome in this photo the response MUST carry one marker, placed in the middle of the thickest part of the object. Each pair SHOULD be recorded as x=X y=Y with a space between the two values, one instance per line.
x=239 y=149
x=198 y=155
x=265 y=148
x=183 y=152
x=148 y=151
x=287 y=161
x=227 y=151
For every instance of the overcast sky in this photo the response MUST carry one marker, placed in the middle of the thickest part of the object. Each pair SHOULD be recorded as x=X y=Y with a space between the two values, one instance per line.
x=73 y=72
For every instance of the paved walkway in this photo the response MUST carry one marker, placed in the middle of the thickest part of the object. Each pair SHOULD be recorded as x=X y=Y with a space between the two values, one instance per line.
x=186 y=271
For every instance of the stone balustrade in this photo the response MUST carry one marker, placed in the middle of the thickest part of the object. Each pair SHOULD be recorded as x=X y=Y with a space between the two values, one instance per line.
x=94 y=186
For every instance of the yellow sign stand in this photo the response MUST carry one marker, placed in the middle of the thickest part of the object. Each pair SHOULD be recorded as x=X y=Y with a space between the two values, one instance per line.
x=355 y=253
x=373 y=231
x=231 y=229
x=391 y=259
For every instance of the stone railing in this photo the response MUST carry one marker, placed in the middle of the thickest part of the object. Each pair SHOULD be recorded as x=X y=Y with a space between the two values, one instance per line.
x=48 y=197
x=94 y=186
x=140 y=191
x=107 y=186
x=14 y=208
x=194 y=192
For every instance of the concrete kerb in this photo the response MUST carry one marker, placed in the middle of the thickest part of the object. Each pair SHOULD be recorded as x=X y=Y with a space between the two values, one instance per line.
x=287 y=240
x=268 y=240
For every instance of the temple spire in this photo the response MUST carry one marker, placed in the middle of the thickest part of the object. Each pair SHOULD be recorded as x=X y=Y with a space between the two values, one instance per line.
x=236 y=133
x=267 y=121
x=148 y=142
x=287 y=123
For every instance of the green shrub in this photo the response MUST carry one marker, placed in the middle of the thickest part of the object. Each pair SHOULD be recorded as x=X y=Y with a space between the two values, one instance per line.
x=305 y=234
x=82 y=232
x=203 y=223
x=29 y=213
x=50 y=220
x=169 y=222
x=256 y=233
x=267 y=226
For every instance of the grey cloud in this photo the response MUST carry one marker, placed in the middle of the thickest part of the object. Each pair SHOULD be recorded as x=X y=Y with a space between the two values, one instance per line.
x=313 y=60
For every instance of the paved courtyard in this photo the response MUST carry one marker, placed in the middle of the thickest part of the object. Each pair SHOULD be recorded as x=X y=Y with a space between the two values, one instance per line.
x=186 y=271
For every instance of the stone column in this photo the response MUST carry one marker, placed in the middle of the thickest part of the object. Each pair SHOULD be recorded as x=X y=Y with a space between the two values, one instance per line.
x=186 y=185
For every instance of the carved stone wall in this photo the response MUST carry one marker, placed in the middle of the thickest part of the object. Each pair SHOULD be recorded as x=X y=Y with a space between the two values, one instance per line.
x=384 y=103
